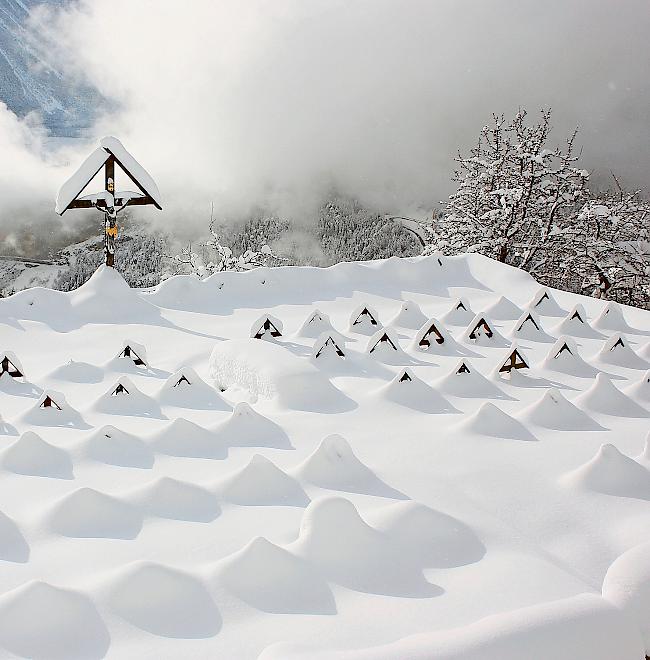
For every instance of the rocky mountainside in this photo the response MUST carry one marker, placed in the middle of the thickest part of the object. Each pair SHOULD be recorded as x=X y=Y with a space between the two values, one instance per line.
x=30 y=82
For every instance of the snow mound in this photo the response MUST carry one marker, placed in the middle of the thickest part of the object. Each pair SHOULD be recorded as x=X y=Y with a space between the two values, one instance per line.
x=271 y=371
x=186 y=389
x=529 y=326
x=384 y=346
x=112 y=446
x=327 y=349
x=77 y=372
x=604 y=397
x=15 y=386
x=365 y=320
x=565 y=358
x=31 y=455
x=13 y=546
x=335 y=538
x=464 y=381
x=11 y=365
x=333 y=465
x=553 y=411
x=617 y=351
x=163 y=601
x=38 y=620
x=406 y=389
x=431 y=538
x=612 y=473
x=503 y=310
x=131 y=359
x=460 y=313
x=107 y=298
x=627 y=585
x=612 y=318
x=316 y=324
x=52 y=409
x=6 y=428
x=177 y=500
x=544 y=303
x=124 y=398
x=409 y=316
x=433 y=337
x=644 y=456
x=87 y=513
x=576 y=324
x=260 y=482
x=481 y=331
x=266 y=327
x=511 y=363
x=273 y=580
x=247 y=428
x=491 y=421
x=583 y=627
x=184 y=438
x=641 y=389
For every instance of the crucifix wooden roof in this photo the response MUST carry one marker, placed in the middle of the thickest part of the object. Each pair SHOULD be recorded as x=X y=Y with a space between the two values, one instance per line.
x=110 y=152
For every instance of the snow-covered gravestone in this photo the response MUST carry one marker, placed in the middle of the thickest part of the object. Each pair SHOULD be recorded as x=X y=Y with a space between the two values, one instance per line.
x=266 y=327
x=10 y=364
x=109 y=153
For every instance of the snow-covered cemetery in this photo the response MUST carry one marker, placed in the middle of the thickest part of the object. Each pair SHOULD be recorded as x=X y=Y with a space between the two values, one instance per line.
x=262 y=395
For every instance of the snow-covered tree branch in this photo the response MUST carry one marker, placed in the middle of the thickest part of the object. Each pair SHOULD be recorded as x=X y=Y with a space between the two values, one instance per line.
x=212 y=255
x=527 y=204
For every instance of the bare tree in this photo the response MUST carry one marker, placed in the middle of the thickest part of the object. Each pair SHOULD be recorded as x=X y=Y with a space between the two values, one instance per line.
x=513 y=193
x=213 y=256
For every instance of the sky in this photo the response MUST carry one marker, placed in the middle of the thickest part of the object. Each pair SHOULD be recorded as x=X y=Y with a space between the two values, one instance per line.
x=273 y=103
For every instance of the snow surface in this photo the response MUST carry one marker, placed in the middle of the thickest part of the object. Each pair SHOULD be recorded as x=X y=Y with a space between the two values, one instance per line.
x=245 y=499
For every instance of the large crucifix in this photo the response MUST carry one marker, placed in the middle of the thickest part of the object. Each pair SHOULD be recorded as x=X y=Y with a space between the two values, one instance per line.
x=109 y=153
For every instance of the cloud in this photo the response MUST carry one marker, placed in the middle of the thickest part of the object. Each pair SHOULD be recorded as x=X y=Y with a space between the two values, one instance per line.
x=274 y=102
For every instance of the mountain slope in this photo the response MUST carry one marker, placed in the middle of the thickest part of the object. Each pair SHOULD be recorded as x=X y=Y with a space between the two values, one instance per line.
x=30 y=82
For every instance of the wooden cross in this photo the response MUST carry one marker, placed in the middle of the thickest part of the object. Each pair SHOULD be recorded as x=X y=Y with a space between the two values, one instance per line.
x=110 y=201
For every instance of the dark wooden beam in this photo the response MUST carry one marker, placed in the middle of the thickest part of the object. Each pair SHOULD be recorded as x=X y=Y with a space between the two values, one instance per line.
x=101 y=204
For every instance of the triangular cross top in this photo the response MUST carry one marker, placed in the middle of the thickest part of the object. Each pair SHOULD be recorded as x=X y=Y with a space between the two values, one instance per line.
x=365 y=314
x=7 y=366
x=384 y=339
x=515 y=360
x=107 y=155
x=431 y=334
x=617 y=343
x=526 y=320
x=481 y=327
x=542 y=298
x=119 y=389
x=267 y=326
x=576 y=315
x=49 y=402
x=405 y=377
x=128 y=352
x=182 y=380
x=329 y=342
x=564 y=347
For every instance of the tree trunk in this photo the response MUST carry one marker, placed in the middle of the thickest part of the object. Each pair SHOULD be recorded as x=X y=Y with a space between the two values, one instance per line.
x=604 y=285
x=503 y=253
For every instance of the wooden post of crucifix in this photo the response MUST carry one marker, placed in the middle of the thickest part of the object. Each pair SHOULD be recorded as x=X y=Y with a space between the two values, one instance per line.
x=109 y=153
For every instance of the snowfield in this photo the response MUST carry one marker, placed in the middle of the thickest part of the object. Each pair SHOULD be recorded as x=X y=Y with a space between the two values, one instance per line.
x=366 y=481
